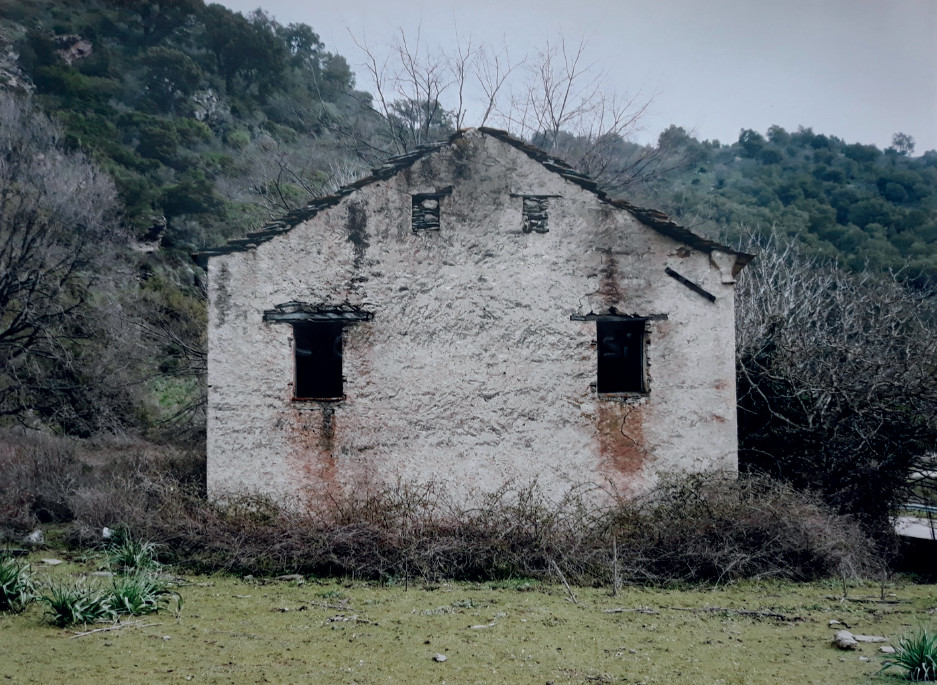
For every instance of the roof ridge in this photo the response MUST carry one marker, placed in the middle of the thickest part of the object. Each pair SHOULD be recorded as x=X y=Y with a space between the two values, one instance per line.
x=652 y=218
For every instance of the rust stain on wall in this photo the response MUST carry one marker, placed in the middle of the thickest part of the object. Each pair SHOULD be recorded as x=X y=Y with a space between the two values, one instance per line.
x=621 y=443
x=608 y=287
x=311 y=439
x=357 y=227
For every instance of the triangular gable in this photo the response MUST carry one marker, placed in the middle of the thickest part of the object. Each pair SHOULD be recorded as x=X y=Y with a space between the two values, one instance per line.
x=654 y=219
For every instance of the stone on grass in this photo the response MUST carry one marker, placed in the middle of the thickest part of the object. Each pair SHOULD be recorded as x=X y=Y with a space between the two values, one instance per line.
x=844 y=640
x=870 y=638
x=439 y=657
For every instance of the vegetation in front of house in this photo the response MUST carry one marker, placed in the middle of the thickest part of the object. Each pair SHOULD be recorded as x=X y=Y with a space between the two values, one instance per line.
x=704 y=528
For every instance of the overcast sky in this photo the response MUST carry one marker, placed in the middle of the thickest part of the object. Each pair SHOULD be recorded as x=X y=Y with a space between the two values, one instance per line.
x=861 y=70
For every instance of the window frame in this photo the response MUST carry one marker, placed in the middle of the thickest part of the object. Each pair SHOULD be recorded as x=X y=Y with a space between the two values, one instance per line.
x=643 y=388
x=332 y=321
x=318 y=369
x=621 y=367
x=535 y=212
x=424 y=219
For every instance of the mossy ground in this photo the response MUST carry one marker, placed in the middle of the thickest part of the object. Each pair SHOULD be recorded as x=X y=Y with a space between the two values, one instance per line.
x=334 y=631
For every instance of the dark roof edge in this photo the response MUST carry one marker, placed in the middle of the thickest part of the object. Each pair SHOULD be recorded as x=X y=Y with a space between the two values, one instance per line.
x=288 y=221
x=659 y=221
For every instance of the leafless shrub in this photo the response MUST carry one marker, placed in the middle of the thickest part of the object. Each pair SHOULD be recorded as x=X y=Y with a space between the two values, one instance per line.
x=38 y=473
x=141 y=483
x=55 y=479
x=718 y=528
x=690 y=529
x=700 y=528
x=837 y=379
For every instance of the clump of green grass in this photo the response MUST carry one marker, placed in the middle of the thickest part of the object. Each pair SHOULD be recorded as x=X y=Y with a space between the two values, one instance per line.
x=17 y=588
x=331 y=594
x=70 y=604
x=134 y=594
x=917 y=655
x=141 y=593
x=129 y=555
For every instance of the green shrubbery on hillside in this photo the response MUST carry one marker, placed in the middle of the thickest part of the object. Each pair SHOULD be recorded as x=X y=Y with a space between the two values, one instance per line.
x=867 y=208
x=167 y=96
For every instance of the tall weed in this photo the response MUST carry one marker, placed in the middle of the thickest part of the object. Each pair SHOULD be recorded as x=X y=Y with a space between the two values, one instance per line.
x=128 y=555
x=73 y=603
x=141 y=593
x=916 y=654
x=17 y=587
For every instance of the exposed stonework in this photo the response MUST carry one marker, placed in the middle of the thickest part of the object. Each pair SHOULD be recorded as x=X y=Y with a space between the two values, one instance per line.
x=468 y=349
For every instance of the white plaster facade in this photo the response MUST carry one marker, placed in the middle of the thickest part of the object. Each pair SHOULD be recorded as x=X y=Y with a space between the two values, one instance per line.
x=479 y=365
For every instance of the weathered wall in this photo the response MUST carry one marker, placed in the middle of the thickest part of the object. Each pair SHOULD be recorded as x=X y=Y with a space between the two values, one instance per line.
x=471 y=371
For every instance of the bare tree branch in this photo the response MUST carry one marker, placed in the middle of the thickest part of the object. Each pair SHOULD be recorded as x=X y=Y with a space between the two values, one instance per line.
x=837 y=377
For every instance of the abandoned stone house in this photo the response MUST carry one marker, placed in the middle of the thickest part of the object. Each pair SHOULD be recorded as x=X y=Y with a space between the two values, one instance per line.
x=474 y=312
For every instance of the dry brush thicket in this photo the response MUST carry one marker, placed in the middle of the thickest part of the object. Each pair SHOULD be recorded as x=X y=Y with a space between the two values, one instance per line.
x=87 y=326
x=690 y=529
x=837 y=379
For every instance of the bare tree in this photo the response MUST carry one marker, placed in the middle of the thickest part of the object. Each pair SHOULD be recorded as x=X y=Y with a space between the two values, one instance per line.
x=564 y=93
x=55 y=212
x=409 y=86
x=837 y=378
x=556 y=99
x=492 y=72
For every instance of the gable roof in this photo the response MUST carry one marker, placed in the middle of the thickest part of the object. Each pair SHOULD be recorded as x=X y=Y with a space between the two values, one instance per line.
x=652 y=218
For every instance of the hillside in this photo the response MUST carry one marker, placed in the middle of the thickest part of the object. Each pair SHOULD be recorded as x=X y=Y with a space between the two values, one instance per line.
x=865 y=206
x=209 y=122
x=199 y=114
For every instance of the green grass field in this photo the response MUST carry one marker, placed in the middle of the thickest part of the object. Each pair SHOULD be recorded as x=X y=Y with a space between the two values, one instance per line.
x=329 y=631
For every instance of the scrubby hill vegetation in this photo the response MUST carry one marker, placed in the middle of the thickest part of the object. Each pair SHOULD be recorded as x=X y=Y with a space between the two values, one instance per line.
x=868 y=208
x=134 y=132
x=182 y=103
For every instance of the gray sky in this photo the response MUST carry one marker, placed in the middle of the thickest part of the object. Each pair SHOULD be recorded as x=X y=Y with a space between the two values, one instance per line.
x=857 y=69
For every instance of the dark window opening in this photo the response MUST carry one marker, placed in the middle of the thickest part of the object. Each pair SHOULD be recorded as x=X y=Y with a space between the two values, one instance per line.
x=620 y=346
x=317 y=348
x=535 y=213
x=425 y=211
